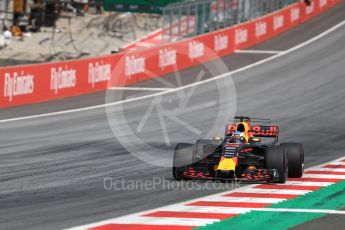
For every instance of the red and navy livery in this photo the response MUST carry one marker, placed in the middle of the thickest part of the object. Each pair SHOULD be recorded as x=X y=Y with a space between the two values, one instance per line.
x=240 y=155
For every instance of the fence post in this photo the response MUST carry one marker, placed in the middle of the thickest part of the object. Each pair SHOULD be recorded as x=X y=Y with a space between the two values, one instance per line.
x=179 y=21
x=171 y=23
x=187 y=18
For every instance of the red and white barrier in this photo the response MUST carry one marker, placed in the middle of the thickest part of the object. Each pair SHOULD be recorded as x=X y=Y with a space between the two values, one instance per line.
x=36 y=83
x=42 y=82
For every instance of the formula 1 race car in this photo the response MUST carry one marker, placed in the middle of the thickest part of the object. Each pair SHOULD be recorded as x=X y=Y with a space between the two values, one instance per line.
x=240 y=155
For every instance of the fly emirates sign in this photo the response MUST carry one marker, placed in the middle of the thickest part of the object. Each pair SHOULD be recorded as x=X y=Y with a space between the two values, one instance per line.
x=62 y=78
x=18 y=84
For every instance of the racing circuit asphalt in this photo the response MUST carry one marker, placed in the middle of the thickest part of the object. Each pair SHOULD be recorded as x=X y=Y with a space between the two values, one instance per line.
x=52 y=168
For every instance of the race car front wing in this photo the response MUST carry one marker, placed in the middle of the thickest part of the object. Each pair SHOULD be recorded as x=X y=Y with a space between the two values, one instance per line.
x=256 y=175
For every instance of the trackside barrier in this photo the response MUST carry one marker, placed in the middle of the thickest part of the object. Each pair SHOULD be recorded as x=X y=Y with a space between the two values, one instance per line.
x=21 y=85
x=42 y=82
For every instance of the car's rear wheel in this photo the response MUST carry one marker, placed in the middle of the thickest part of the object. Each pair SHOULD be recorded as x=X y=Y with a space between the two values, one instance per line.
x=276 y=158
x=183 y=156
x=295 y=155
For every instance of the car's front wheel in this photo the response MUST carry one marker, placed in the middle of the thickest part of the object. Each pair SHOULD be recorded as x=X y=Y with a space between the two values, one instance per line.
x=295 y=155
x=276 y=158
x=183 y=156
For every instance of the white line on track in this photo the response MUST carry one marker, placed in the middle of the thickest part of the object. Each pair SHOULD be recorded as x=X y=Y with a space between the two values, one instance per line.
x=245 y=210
x=206 y=209
x=329 y=169
x=337 y=163
x=165 y=221
x=276 y=191
x=324 y=176
x=323 y=34
x=306 y=183
x=243 y=199
x=139 y=89
x=327 y=211
x=258 y=51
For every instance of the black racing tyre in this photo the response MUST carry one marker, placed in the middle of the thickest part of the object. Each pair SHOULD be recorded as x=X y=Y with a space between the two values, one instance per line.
x=201 y=152
x=183 y=156
x=276 y=158
x=295 y=155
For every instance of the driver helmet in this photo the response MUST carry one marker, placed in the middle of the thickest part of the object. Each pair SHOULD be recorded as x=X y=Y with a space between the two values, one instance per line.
x=237 y=137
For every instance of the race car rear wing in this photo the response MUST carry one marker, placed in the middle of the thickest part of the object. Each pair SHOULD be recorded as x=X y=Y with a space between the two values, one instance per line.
x=265 y=131
x=251 y=119
x=257 y=130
